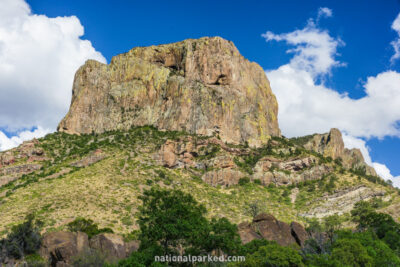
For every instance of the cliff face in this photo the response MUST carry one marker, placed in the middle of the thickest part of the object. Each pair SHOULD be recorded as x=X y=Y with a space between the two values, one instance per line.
x=331 y=145
x=202 y=86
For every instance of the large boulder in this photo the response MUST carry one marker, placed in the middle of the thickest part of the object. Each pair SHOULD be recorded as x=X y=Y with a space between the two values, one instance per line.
x=268 y=227
x=272 y=229
x=201 y=86
x=299 y=233
x=58 y=248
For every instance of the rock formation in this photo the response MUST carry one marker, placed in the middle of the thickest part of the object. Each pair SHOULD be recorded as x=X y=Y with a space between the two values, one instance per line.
x=331 y=145
x=201 y=86
x=59 y=248
x=268 y=227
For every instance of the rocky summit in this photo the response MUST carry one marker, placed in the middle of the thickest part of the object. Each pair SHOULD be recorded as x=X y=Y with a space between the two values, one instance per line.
x=201 y=86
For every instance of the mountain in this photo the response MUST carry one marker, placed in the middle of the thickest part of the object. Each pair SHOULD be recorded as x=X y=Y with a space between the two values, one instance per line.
x=201 y=86
x=194 y=116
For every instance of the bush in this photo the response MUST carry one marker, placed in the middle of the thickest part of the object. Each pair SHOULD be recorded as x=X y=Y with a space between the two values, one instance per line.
x=35 y=260
x=23 y=239
x=257 y=181
x=254 y=208
x=273 y=254
x=244 y=180
x=89 y=258
x=87 y=226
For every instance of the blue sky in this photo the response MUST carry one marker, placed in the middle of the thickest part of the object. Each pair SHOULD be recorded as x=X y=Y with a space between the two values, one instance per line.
x=360 y=30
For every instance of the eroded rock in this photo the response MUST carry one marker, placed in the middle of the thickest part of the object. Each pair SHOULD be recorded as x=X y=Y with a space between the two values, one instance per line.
x=59 y=247
x=268 y=227
x=201 y=86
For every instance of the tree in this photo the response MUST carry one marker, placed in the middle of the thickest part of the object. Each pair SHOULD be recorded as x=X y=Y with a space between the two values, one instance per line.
x=23 y=239
x=332 y=223
x=223 y=237
x=350 y=252
x=172 y=222
x=253 y=209
x=273 y=254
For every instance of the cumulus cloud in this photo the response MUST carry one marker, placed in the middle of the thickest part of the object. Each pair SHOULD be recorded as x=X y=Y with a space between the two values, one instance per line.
x=396 y=43
x=38 y=59
x=316 y=107
x=10 y=142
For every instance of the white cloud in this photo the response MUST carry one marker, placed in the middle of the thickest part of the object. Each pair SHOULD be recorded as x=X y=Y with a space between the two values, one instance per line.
x=314 y=48
x=38 y=59
x=324 y=12
x=396 y=43
x=10 y=142
x=317 y=108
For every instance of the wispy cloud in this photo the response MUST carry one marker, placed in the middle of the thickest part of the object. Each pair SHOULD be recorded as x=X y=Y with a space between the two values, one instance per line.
x=396 y=42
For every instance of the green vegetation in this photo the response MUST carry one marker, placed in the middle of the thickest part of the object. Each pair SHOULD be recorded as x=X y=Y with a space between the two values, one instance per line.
x=24 y=239
x=87 y=226
x=172 y=222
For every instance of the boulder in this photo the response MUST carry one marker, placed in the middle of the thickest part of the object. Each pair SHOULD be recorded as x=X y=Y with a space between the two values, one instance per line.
x=299 y=233
x=59 y=247
x=272 y=229
x=268 y=227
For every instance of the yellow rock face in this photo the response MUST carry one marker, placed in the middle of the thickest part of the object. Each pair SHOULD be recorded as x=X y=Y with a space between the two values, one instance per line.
x=201 y=86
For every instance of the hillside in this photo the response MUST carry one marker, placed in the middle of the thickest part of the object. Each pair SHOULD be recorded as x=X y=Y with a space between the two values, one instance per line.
x=192 y=128
x=99 y=176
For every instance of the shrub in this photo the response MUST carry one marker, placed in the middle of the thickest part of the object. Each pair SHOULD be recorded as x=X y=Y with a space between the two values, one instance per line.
x=273 y=254
x=35 y=260
x=253 y=209
x=87 y=226
x=89 y=258
x=244 y=180
x=23 y=239
x=257 y=181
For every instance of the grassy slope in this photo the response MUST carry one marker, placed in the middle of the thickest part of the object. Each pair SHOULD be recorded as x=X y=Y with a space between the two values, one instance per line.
x=107 y=191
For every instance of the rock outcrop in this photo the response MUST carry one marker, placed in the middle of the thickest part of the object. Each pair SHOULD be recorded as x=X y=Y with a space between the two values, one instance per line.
x=59 y=248
x=341 y=201
x=201 y=86
x=268 y=227
x=331 y=145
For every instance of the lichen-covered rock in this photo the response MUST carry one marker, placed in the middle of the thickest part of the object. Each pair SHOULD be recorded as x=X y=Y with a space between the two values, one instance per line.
x=202 y=86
